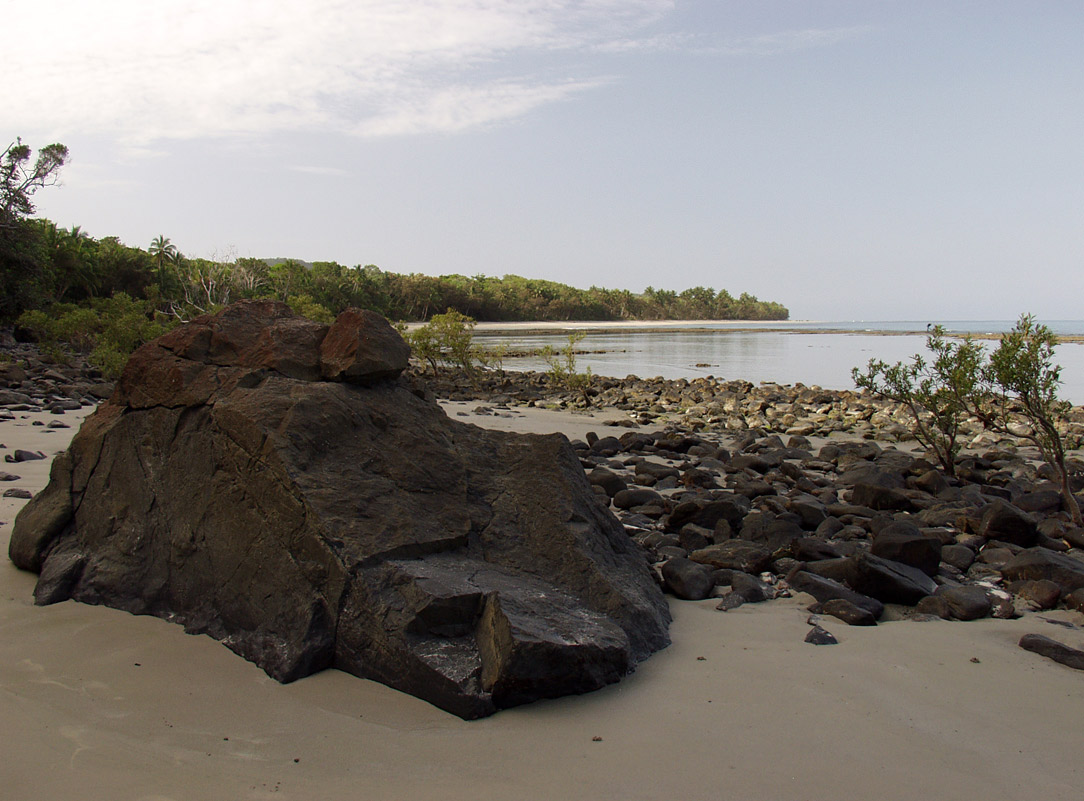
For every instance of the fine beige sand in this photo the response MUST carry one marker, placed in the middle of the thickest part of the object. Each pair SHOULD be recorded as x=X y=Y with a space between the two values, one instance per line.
x=98 y=704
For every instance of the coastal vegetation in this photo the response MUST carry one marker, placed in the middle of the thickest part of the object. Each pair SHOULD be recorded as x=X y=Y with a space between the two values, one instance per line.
x=562 y=364
x=936 y=391
x=1012 y=390
x=448 y=340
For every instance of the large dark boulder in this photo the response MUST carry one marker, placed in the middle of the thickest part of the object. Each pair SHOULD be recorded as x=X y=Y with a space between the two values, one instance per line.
x=884 y=579
x=887 y=580
x=707 y=513
x=1004 y=522
x=688 y=580
x=770 y=531
x=903 y=542
x=294 y=499
x=966 y=602
x=881 y=498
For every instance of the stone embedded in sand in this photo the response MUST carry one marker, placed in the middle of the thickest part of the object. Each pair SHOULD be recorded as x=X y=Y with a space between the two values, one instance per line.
x=309 y=523
x=1052 y=649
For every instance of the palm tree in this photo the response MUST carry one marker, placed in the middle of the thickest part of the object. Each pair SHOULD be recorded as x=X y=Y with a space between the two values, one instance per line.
x=162 y=251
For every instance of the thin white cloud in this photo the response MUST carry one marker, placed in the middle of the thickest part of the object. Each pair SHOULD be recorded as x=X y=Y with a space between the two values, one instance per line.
x=309 y=169
x=146 y=71
x=458 y=108
x=789 y=41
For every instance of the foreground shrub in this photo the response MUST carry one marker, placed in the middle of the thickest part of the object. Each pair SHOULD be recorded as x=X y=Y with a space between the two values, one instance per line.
x=1021 y=397
x=562 y=366
x=937 y=393
x=446 y=339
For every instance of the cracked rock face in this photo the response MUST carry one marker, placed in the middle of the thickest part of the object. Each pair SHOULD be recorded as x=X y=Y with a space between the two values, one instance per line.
x=271 y=482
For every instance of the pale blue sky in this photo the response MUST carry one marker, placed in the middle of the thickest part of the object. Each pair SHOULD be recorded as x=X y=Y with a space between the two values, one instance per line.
x=851 y=159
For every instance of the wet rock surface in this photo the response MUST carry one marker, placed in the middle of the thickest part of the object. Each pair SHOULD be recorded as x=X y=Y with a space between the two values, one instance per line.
x=308 y=523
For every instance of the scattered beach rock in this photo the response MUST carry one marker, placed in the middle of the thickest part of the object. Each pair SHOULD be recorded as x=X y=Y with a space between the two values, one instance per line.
x=966 y=602
x=820 y=636
x=768 y=489
x=1039 y=563
x=848 y=612
x=688 y=580
x=23 y=456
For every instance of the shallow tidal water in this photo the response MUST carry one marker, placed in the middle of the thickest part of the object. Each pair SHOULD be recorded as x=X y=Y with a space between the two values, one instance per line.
x=820 y=354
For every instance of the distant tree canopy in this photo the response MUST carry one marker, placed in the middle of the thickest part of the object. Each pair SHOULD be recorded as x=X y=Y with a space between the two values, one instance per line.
x=42 y=265
x=65 y=265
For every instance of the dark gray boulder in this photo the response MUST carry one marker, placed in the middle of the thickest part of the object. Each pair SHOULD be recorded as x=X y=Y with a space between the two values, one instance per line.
x=849 y=613
x=636 y=496
x=1042 y=594
x=881 y=498
x=770 y=531
x=688 y=580
x=707 y=513
x=890 y=581
x=901 y=541
x=230 y=486
x=23 y=456
x=1004 y=522
x=966 y=602
x=747 y=557
x=1035 y=564
x=610 y=482
x=825 y=589
x=872 y=476
x=751 y=588
x=959 y=556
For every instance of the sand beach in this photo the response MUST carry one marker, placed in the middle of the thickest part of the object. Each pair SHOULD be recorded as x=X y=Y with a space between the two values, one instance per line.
x=98 y=704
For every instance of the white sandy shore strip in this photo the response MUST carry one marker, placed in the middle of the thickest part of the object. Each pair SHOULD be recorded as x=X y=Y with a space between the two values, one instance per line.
x=602 y=326
x=98 y=704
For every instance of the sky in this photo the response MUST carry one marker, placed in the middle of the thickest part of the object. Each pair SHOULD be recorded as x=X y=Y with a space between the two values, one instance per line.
x=850 y=159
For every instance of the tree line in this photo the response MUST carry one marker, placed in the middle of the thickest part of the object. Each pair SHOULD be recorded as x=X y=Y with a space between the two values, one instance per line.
x=42 y=264
x=49 y=264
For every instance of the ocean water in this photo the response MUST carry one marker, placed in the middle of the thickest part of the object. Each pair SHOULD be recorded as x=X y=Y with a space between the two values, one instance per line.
x=820 y=354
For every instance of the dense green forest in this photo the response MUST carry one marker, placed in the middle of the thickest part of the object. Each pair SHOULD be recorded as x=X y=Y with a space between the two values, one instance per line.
x=45 y=264
x=42 y=264
x=58 y=282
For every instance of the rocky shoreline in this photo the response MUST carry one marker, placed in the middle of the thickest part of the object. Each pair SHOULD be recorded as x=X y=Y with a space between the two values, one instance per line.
x=746 y=492
x=714 y=405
